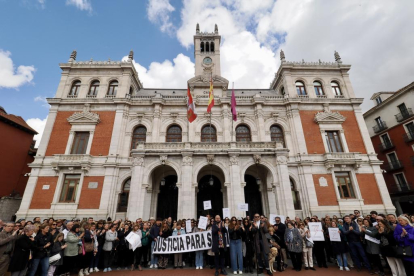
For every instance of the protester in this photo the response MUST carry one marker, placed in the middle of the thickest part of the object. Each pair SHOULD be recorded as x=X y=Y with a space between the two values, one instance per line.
x=307 y=246
x=248 y=240
x=58 y=248
x=219 y=246
x=199 y=258
x=236 y=254
x=110 y=237
x=43 y=243
x=154 y=232
x=340 y=248
x=165 y=232
x=260 y=229
x=372 y=248
x=7 y=239
x=21 y=254
x=294 y=244
x=404 y=235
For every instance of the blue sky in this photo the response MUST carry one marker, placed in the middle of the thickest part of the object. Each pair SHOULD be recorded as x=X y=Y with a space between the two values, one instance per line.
x=374 y=36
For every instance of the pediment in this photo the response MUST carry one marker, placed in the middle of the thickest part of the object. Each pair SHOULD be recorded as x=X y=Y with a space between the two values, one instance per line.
x=84 y=118
x=204 y=81
x=329 y=118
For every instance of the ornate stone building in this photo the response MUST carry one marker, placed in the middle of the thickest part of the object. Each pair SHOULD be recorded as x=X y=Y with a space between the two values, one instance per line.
x=114 y=148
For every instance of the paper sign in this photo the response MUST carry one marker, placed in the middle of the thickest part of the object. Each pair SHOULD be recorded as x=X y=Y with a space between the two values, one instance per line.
x=134 y=241
x=334 y=234
x=316 y=231
x=273 y=216
x=202 y=223
x=188 y=226
x=226 y=213
x=374 y=240
x=375 y=224
x=65 y=233
x=207 y=205
x=243 y=206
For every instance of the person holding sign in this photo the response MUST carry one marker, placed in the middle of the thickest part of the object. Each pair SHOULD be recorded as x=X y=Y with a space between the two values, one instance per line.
x=219 y=246
x=236 y=254
x=340 y=248
x=307 y=246
x=294 y=245
x=165 y=232
x=372 y=244
x=353 y=235
x=178 y=257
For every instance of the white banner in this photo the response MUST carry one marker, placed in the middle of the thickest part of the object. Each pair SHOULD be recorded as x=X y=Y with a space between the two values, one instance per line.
x=316 y=231
x=334 y=234
x=184 y=243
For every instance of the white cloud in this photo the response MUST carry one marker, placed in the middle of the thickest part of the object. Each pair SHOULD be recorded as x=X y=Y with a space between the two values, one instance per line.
x=40 y=99
x=42 y=3
x=166 y=74
x=159 y=13
x=9 y=76
x=83 y=5
x=38 y=125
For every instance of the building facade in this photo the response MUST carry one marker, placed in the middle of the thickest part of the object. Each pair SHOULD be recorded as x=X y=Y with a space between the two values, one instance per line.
x=17 y=151
x=114 y=148
x=391 y=127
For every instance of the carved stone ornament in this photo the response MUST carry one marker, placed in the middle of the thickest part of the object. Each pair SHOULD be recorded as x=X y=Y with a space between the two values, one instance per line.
x=329 y=166
x=329 y=118
x=137 y=161
x=85 y=117
x=257 y=158
x=323 y=182
x=187 y=161
x=163 y=159
x=282 y=160
x=210 y=158
x=234 y=160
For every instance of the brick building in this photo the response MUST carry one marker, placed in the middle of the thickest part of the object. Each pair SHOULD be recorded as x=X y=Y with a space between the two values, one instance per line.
x=114 y=148
x=17 y=151
x=391 y=126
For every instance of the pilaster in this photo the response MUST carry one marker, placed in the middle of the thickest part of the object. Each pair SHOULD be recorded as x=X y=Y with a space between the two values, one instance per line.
x=285 y=191
x=186 y=197
x=237 y=191
x=137 y=192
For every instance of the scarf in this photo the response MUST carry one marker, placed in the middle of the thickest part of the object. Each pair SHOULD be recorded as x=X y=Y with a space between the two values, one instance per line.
x=220 y=239
x=290 y=235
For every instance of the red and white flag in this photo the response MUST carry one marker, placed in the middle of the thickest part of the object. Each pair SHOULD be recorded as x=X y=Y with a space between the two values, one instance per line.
x=191 y=111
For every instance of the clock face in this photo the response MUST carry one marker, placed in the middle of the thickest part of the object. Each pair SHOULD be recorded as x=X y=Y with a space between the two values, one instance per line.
x=207 y=61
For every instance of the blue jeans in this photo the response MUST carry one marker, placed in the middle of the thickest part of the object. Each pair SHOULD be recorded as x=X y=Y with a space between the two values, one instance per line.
x=236 y=254
x=199 y=258
x=357 y=251
x=95 y=259
x=339 y=257
x=154 y=257
x=44 y=263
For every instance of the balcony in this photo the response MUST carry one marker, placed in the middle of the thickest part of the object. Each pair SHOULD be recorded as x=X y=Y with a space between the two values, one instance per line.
x=393 y=166
x=400 y=188
x=404 y=115
x=386 y=146
x=379 y=128
x=408 y=137
x=71 y=161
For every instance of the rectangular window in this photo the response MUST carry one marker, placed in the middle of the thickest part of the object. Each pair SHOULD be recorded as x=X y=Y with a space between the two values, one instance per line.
x=393 y=158
x=70 y=186
x=333 y=141
x=386 y=140
x=344 y=185
x=379 y=122
x=80 y=143
x=378 y=100
x=402 y=184
x=410 y=128
x=403 y=109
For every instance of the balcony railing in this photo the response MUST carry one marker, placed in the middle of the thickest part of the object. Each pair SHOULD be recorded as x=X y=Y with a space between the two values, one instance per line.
x=400 y=188
x=404 y=115
x=392 y=166
x=72 y=96
x=386 y=146
x=380 y=127
x=408 y=137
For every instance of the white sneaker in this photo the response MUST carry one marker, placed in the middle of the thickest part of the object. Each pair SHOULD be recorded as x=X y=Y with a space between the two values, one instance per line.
x=85 y=271
x=234 y=272
x=197 y=267
x=151 y=266
x=91 y=270
x=183 y=263
x=109 y=269
x=155 y=266
x=341 y=268
x=80 y=272
x=240 y=272
x=347 y=269
x=201 y=267
x=96 y=269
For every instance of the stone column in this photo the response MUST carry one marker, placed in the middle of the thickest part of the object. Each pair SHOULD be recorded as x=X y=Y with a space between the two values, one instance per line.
x=271 y=198
x=237 y=191
x=186 y=192
x=306 y=186
x=261 y=131
x=137 y=192
x=282 y=170
x=156 y=124
x=116 y=132
x=227 y=123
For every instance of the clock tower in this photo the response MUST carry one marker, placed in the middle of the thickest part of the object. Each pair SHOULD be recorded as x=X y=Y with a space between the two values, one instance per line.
x=207 y=53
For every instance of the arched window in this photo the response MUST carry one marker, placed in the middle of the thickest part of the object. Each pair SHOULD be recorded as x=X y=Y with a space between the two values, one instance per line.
x=276 y=134
x=207 y=47
x=138 y=136
x=124 y=196
x=113 y=87
x=202 y=47
x=174 y=134
x=93 y=90
x=74 y=90
x=208 y=134
x=212 y=46
x=243 y=134
x=300 y=88
x=131 y=90
x=318 y=88
x=295 y=195
x=336 y=89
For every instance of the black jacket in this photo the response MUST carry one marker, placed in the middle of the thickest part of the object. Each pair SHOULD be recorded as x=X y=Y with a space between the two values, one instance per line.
x=280 y=232
x=215 y=236
x=235 y=234
x=21 y=253
x=40 y=241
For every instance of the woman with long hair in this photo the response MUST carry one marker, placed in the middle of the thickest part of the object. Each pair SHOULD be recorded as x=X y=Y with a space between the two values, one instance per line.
x=178 y=257
x=110 y=236
x=44 y=243
x=294 y=244
x=138 y=251
x=87 y=249
x=236 y=255
x=372 y=249
x=165 y=232
x=248 y=240
x=125 y=255
x=340 y=248
x=58 y=248
x=307 y=246
x=71 y=252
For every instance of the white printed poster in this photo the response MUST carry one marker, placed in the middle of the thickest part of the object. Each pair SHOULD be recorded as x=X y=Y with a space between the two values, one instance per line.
x=202 y=223
x=243 y=207
x=226 y=213
x=188 y=226
x=134 y=240
x=334 y=234
x=316 y=231
x=207 y=205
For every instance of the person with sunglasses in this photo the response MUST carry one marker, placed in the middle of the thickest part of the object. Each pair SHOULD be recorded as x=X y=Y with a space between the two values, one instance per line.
x=236 y=255
x=280 y=230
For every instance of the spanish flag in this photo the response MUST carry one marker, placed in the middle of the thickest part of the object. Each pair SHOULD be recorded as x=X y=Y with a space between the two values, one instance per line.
x=210 y=96
x=191 y=111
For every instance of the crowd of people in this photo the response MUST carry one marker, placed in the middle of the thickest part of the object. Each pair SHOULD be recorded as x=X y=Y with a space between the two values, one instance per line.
x=62 y=247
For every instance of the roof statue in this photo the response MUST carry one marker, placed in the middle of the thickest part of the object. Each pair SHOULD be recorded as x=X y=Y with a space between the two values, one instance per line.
x=131 y=55
x=73 y=55
x=282 y=55
x=337 y=57
x=197 y=28
x=215 y=29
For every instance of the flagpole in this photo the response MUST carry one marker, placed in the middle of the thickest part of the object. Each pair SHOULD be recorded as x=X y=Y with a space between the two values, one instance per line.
x=211 y=111
x=232 y=121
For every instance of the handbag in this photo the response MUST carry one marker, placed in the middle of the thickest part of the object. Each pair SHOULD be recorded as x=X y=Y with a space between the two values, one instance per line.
x=404 y=251
x=308 y=243
x=88 y=246
x=55 y=258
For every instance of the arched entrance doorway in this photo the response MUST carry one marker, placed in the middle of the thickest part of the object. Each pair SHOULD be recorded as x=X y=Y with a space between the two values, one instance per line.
x=210 y=187
x=253 y=196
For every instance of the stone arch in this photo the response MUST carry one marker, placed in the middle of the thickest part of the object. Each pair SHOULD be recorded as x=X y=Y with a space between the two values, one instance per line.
x=136 y=122
x=150 y=168
x=250 y=123
x=271 y=168
x=323 y=83
x=221 y=165
x=121 y=180
x=170 y=121
x=282 y=122
x=92 y=79
x=305 y=82
x=205 y=121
